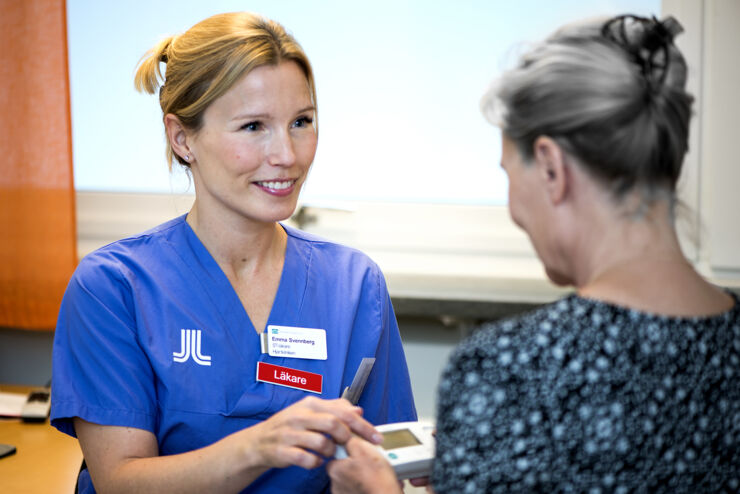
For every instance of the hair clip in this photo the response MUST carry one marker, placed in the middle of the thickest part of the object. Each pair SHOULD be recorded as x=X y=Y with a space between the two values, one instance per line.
x=655 y=38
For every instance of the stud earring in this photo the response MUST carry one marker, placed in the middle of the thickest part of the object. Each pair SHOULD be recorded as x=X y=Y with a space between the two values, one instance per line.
x=187 y=157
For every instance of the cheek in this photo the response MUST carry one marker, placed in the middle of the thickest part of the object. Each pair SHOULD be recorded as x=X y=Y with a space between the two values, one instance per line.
x=306 y=149
x=515 y=206
x=514 y=214
x=239 y=155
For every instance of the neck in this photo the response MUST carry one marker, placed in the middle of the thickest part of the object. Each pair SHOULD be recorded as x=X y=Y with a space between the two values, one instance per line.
x=621 y=241
x=238 y=245
x=629 y=255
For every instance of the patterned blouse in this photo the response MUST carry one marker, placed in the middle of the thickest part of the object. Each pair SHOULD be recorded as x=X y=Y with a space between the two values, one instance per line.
x=585 y=396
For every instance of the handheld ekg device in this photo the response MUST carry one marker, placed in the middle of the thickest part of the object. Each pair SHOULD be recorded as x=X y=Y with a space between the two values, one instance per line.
x=407 y=446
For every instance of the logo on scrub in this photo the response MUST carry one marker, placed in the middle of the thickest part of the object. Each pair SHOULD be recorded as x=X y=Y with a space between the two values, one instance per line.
x=190 y=347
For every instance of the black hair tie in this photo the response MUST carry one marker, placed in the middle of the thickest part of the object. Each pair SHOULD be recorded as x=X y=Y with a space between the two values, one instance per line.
x=645 y=49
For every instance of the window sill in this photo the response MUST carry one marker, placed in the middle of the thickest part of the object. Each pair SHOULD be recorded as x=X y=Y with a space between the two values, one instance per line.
x=470 y=261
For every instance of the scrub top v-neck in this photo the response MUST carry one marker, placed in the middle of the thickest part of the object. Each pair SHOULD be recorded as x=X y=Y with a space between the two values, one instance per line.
x=225 y=295
x=152 y=335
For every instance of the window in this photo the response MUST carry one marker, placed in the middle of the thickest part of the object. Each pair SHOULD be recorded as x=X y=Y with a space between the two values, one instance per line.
x=407 y=168
x=398 y=85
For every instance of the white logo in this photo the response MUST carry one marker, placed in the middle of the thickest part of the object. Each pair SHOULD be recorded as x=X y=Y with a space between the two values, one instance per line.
x=190 y=345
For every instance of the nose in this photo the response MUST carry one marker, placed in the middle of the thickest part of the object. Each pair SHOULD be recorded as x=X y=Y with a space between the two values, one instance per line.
x=281 y=150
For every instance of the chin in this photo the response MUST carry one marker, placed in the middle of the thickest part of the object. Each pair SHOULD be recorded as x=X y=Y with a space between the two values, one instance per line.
x=282 y=213
x=558 y=278
x=273 y=216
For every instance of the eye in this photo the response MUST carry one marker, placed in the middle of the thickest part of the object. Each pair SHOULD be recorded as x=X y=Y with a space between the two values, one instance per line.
x=252 y=126
x=303 y=122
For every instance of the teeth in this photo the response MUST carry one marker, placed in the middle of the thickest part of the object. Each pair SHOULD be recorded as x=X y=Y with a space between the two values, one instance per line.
x=276 y=185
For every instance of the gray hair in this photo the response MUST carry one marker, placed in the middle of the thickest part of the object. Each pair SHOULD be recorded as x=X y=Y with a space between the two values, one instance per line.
x=607 y=95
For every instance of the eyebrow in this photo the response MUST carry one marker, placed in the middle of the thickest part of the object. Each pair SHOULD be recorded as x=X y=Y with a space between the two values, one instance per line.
x=261 y=116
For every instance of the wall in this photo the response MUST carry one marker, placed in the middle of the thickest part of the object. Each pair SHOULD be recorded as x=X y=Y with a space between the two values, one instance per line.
x=721 y=179
x=25 y=356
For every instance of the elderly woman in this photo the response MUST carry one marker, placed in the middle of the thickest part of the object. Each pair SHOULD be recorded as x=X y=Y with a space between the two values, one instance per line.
x=630 y=384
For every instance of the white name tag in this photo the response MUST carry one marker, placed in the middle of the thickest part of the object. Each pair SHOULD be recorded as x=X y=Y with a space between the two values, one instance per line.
x=291 y=342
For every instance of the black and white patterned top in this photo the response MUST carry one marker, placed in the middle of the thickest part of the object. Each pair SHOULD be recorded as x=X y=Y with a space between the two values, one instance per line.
x=585 y=396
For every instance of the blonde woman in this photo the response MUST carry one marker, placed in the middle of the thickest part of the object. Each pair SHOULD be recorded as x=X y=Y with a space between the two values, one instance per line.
x=208 y=354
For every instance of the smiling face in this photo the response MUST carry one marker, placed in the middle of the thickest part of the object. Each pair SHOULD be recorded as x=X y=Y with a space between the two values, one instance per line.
x=253 y=152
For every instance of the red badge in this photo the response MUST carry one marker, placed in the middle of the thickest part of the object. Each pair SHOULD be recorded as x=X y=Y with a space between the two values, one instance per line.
x=292 y=378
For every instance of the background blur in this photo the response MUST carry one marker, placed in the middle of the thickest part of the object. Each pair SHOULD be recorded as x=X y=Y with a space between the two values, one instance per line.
x=398 y=88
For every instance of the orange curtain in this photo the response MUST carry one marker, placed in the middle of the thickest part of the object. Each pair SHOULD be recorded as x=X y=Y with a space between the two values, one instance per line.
x=37 y=217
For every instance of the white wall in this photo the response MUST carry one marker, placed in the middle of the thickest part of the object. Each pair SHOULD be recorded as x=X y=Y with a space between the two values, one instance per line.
x=720 y=192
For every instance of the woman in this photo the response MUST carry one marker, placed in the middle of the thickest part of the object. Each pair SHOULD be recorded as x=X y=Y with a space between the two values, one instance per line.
x=203 y=355
x=629 y=385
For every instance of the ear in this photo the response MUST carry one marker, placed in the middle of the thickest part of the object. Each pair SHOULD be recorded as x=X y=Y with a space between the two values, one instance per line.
x=178 y=136
x=551 y=163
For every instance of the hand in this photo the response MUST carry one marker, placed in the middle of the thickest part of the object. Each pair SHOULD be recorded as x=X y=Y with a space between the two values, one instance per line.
x=364 y=471
x=127 y=459
x=294 y=435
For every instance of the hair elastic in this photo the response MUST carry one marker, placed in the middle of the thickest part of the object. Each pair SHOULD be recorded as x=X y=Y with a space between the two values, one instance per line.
x=657 y=37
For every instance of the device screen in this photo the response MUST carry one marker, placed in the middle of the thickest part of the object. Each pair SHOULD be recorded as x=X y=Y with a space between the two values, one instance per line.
x=399 y=439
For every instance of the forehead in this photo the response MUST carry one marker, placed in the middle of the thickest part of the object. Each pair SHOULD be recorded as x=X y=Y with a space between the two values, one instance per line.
x=281 y=86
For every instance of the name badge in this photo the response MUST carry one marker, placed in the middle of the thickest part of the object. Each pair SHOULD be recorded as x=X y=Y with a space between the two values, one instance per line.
x=292 y=342
x=291 y=378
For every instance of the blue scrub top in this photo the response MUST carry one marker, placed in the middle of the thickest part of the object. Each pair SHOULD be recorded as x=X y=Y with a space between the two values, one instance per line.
x=125 y=308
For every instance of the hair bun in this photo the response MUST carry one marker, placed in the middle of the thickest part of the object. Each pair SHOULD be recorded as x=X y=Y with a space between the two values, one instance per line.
x=661 y=33
x=647 y=41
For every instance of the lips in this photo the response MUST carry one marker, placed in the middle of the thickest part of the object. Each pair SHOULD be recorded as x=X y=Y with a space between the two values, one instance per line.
x=277 y=187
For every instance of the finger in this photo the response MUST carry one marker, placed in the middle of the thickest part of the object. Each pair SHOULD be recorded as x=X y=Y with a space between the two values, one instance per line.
x=340 y=473
x=339 y=407
x=362 y=474
x=419 y=482
x=326 y=424
x=357 y=447
x=300 y=457
x=352 y=417
x=342 y=418
x=366 y=430
x=309 y=440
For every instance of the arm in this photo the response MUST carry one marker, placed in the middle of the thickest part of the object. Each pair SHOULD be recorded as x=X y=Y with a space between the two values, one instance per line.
x=125 y=459
x=388 y=396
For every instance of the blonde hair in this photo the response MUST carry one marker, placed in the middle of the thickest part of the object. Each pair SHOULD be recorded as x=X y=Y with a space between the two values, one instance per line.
x=205 y=61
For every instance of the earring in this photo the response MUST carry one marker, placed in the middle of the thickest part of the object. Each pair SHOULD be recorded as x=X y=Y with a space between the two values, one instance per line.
x=187 y=157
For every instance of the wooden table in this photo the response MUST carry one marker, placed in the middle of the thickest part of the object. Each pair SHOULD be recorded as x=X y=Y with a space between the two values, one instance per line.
x=46 y=461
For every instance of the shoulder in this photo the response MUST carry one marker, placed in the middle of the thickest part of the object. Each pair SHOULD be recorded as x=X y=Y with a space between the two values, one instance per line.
x=526 y=350
x=119 y=258
x=138 y=244
x=533 y=329
x=322 y=249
